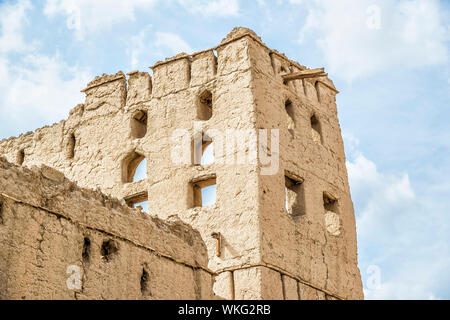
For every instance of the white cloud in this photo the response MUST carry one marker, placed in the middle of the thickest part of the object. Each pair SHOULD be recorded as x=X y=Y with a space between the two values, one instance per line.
x=12 y=21
x=172 y=41
x=32 y=85
x=396 y=290
x=88 y=16
x=416 y=271
x=212 y=7
x=47 y=86
x=383 y=195
x=362 y=37
x=137 y=46
x=148 y=46
x=402 y=232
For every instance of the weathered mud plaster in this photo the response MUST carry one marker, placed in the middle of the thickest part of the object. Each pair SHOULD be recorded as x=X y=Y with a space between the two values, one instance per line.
x=267 y=251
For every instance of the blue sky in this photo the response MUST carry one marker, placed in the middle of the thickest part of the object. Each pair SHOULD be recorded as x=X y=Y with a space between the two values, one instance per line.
x=388 y=58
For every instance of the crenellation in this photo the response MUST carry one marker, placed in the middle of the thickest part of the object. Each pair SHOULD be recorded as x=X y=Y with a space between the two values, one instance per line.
x=105 y=94
x=179 y=56
x=104 y=79
x=139 y=87
x=233 y=57
x=171 y=76
x=280 y=66
x=286 y=59
x=237 y=33
x=77 y=111
x=203 y=68
x=273 y=68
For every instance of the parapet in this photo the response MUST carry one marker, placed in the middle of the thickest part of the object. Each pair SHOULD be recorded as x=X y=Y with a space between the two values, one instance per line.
x=105 y=78
x=139 y=87
x=109 y=90
x=240 y=50
x=172 y=75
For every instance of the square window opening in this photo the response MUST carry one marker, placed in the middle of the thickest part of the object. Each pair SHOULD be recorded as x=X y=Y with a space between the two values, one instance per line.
x=295 y=196
x=330 y=203
x=204 y=192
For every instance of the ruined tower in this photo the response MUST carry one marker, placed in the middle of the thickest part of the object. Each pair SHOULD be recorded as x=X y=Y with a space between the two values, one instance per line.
x=279 y=229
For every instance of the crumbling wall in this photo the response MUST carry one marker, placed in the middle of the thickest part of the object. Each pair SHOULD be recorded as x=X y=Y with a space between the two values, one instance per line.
x=59 y=241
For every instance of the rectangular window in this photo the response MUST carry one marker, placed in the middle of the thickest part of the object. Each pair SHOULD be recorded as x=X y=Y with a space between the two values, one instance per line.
x=330 y=203
x=331 y=216
x=295 y=195
x=204 y=106
x=138 y=200
x=204 y=191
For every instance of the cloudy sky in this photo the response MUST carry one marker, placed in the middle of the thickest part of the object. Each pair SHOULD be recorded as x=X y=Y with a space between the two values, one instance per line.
x=389 y=59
